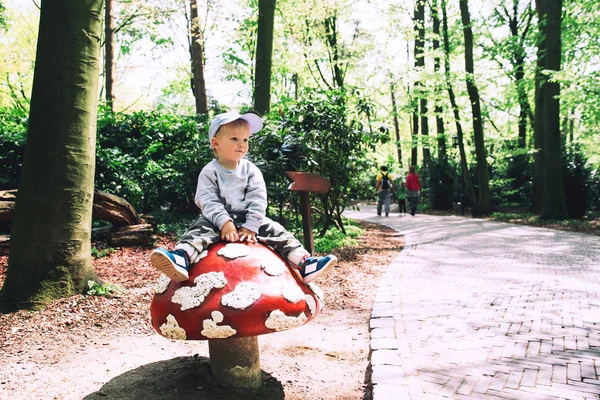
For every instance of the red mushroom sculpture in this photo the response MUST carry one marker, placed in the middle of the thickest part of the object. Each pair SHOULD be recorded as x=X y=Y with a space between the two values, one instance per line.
x=236 y=292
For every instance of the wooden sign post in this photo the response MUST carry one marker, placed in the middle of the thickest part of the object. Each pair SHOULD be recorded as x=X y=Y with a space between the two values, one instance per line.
x=304 y=184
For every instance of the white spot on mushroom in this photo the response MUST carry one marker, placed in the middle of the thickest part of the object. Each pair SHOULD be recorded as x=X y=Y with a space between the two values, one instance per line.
x=243 y=296
x=190 y=297
x=171 y=329
x=312 y=305
x=316 y=290
x=162 y=284
x=213 y=331
x=279 y=321
x=274 y=268
x=292 y=293
x=234 y=250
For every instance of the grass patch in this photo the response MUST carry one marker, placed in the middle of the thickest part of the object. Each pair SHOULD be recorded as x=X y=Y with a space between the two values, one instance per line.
x=106 y=289
x=334 y=238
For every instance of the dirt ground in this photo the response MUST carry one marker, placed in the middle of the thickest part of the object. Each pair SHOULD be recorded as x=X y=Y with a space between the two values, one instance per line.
x=97 y=347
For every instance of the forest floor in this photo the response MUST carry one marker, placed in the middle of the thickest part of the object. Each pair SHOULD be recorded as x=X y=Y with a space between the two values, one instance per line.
x=100 y=347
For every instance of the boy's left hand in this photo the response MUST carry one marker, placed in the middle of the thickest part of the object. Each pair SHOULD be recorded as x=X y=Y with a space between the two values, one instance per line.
x=246 y=234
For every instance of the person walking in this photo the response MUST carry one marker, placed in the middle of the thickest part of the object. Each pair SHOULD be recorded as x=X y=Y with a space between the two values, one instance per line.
x=384 y=186
x=413 y=185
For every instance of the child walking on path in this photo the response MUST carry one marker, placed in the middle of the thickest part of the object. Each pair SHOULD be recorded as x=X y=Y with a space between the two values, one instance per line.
x=232 y=197
x=401 y=194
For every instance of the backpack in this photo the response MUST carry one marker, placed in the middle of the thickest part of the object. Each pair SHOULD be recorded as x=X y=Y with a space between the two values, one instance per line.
x=385 y=181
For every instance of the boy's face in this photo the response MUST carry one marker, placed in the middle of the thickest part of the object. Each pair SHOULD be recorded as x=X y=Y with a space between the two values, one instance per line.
x=231 y=144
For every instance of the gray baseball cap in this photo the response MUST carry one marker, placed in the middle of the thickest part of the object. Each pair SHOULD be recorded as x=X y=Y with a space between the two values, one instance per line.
x=252 y=119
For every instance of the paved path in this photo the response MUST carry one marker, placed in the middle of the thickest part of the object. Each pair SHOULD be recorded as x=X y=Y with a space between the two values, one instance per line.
x=473 y=309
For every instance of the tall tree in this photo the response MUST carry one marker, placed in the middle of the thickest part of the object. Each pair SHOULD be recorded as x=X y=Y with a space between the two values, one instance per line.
x=395 y=116
x=417 y=103
x=50 y=254
x=540 y=88
x=439 y=120
x=420 y=64
x=484 y=201
x=197 y=54
x=553 y=204
x=109 y=54
x=464 y=166
x=264 y=53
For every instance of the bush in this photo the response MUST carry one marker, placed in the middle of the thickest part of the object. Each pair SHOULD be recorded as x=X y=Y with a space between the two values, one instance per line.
x=319 y=134
x=576 y=180
x=594 y=193
x=151 y=159
x=442 y=188
x=13 y=133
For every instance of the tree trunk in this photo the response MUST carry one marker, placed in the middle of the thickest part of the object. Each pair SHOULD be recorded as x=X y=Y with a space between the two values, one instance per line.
x=419 y=88
x=235 y=362
x=50 y=254
x=484 y=203
x=109 y=55
x=553 y=203
x=459 y=131
x=414 y=154
x=396 y=126
x=197 y=54
x=264 y=53
x=439 y=121
x=332 y=42
x=540 y=87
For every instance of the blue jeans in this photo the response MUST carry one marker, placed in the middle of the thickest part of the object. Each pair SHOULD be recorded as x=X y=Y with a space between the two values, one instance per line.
x=384 y=196
x=413 y=200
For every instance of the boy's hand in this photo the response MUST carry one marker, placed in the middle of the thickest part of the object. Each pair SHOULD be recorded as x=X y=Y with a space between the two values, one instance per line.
x=229 y=233
x=247 y=234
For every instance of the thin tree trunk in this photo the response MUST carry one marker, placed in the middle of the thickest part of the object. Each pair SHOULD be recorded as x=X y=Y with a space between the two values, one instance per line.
x=439 y=121
x=419 y=91
x=332 y=40
x=540 y=87
x=50 y=254
x=484 y=204
x=264 y=53
x=396 y=126
x=197 y=53
x=415 y=134
x=459 y=131
x=553 y=203
x=109 y=55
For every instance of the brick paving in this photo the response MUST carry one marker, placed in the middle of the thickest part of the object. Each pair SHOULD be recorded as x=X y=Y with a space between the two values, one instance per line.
x=474 y=309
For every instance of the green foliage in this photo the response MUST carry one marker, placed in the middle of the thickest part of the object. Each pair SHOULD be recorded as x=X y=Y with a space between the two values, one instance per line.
x=442 y=183
x=151 y=159
x=576 y=180
x=13 y=133
x=595 y=189
x=3 y=23
x=99 y=253
x=105 y=289
x=335 y=238
x=172 y=223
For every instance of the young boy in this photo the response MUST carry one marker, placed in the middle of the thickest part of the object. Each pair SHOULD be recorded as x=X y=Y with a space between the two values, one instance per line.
x=232 y=197
x=401 y=194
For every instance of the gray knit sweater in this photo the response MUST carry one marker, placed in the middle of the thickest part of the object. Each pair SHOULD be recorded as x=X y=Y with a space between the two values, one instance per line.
x=222 y=193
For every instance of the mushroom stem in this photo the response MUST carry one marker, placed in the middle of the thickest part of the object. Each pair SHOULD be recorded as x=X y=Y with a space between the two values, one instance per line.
x=235 y=362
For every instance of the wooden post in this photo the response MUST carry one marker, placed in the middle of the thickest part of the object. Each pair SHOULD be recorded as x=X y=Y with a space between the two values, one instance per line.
x=304 y=184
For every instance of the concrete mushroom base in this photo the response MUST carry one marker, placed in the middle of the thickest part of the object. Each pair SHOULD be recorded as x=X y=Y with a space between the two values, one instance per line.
x=236 y=292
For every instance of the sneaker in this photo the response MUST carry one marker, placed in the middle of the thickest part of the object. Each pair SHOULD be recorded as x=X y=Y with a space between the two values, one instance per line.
x=313 y=267
x=173 y=264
